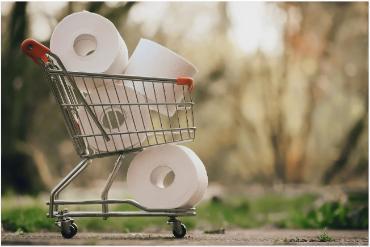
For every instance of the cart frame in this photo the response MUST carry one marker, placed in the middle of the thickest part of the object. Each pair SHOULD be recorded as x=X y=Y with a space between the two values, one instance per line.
x=56 y=72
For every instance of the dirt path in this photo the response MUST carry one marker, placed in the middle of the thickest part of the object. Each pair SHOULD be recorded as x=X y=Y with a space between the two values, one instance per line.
x=233 y=237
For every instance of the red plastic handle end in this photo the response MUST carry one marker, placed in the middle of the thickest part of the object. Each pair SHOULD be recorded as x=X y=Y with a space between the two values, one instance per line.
x=35 y=50
x=187 y=81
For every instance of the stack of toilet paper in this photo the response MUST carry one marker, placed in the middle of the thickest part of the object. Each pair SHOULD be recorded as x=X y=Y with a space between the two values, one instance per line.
x=88 y=42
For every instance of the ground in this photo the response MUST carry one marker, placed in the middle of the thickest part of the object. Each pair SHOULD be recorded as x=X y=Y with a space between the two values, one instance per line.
x=230 y=237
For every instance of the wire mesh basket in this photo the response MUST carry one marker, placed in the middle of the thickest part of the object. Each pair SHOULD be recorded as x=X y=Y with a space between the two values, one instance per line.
x=107 y=114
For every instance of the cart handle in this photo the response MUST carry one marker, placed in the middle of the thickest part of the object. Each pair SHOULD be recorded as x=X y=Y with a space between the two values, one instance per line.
x=187 y=81
x=35 y=50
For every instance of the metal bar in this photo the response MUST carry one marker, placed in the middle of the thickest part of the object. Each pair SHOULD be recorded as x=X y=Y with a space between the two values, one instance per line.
x=104 y=111
x=186 y=113
x=131 y=104
x=116 y=201
x=143 y=131
x=141 y=114
x=151 y=117
x=56 y=196
x=122 y=110
x=71 y=111
x=106 y=154
x=88 y=119
x=177 y=113
x=58 y=96
x=108 y=185
x=130 y=108
x=129 y=150
x=74 y=214
x=168 y=114
x=118 y=77
x=192 y=114
x=65 y=181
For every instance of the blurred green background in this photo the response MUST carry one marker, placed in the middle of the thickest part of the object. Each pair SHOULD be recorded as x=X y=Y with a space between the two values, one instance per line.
x=281 y=110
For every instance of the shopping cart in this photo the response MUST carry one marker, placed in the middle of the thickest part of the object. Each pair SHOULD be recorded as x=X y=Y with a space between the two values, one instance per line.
x=98 y=128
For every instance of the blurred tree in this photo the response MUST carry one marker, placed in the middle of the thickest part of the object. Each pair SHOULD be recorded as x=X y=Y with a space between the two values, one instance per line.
x=291 y=154
x=291 y=117
x=350 y=142
x=324 y=54
x=19 y=172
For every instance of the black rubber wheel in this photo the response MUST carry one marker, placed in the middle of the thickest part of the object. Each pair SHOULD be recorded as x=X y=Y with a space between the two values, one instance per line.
x=71 y=232
x=179 y=232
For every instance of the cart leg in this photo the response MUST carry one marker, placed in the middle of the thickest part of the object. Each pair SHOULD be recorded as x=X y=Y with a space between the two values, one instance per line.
x=56 y=196
x=178 y=228
x=108 y=184
x=64 y=183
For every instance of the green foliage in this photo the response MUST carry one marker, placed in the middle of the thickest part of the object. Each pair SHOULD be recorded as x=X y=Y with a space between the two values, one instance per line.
x=332 y=215
x=245 y=213
x=28 y=219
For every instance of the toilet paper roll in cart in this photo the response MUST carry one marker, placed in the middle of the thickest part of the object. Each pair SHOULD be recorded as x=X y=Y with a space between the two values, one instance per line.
x=154 y=60
x=119 y=110
x=88 y=42
x=118 y=119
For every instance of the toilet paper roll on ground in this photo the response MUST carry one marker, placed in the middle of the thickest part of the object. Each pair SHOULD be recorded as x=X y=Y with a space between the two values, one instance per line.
x=88 y=42
x=150 y=59
x=148 y=172
x=115 y=118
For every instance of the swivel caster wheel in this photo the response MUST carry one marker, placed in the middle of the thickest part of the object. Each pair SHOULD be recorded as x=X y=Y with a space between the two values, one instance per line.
x=69 y=231
x=179 y=230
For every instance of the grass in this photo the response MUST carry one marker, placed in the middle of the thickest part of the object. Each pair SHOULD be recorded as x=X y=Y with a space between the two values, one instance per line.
x=271 y=209
x=334 y=215
x=324 y=237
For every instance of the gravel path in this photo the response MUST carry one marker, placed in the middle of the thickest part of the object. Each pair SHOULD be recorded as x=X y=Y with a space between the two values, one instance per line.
x=231 y=237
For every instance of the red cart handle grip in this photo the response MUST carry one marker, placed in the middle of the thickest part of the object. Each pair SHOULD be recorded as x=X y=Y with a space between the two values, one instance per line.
x=35 y=50
x=187 y=81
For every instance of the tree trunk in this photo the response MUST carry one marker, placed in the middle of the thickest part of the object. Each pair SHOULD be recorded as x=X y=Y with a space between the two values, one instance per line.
x=350 y=143
x=19 y=172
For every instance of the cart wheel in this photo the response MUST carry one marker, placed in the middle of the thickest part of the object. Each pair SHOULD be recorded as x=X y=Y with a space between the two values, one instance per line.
x=70 y=232
x=179 y=231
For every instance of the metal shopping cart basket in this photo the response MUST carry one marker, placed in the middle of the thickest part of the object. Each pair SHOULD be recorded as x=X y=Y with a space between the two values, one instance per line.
x=98 y=127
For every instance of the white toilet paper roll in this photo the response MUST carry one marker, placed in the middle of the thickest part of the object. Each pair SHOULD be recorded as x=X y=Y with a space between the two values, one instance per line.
x=150 y=59
x=88 y=42
x=147 y=177
x=115 y=118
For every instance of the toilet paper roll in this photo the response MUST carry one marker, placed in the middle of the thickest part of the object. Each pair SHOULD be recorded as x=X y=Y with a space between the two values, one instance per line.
x=203 y=183
x=148 y=173
x=115 y=118
x=88 y=42
x=150 y=59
